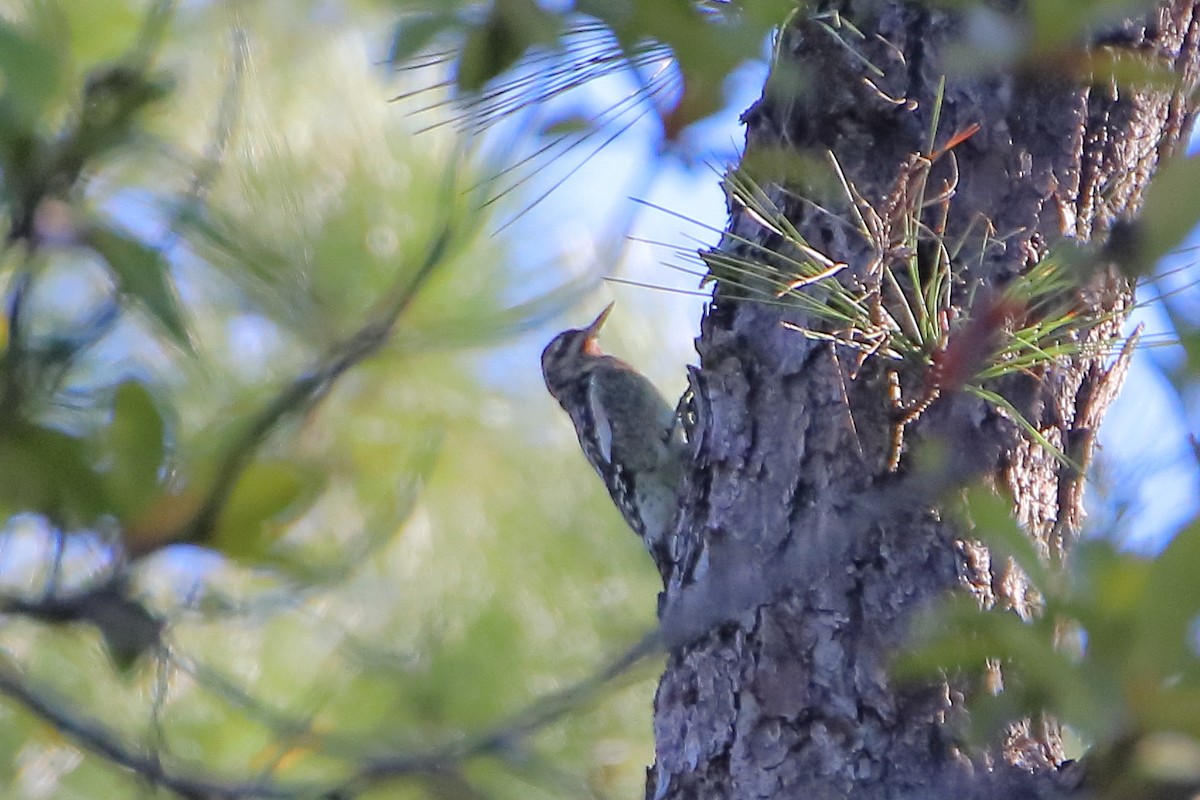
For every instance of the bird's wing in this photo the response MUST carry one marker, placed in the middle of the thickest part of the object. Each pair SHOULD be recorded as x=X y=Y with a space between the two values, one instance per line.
x=629 y=404
x=600 y=419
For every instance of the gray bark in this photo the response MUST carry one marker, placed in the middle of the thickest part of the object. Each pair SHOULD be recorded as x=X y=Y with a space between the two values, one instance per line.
x=800 y=557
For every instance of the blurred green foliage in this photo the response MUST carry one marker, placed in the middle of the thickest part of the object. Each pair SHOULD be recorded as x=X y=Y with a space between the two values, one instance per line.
x=707 y=40
x=1114 y=650
x=235 y=282
x=239 y=292
x=1113 y=653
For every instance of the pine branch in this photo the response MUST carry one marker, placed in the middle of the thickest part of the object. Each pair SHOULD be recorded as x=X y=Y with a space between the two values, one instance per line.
x=304 y=393
x=438 y=761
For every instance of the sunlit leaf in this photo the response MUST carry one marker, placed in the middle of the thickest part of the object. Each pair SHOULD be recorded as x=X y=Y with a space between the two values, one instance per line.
x=135 y=441
x=268 y=491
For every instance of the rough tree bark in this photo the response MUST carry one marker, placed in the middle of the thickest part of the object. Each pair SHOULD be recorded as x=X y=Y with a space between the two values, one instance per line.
x=800 y=556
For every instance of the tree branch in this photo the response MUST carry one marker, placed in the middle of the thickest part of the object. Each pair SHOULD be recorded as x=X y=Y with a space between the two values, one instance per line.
x=97 y=738
x=302 y=394
x=103 y=741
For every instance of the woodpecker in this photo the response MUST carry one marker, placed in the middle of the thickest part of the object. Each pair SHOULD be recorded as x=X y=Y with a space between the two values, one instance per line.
x=627 y=430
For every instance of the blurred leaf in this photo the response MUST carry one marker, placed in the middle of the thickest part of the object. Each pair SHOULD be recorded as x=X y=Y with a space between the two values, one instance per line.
x=1060 y=24
x=1108 y=580
x=268 y=491
x=113 y=96
x=1162 y=707
x=1170 y=213
x=511 y=28
x=996 y=527
x=1185 y=328
x=94 y=32
x=371 y=699
x=389 y=476
x=142 y=274
x=31 y=76
x=161 y=520
x=707 y=45
x=135 y=441
x=461 y=686
x=49 y=471
x=414 y=33
x=946 y=639
x=1169 y=606
x=1107 y=586
x=569 y=125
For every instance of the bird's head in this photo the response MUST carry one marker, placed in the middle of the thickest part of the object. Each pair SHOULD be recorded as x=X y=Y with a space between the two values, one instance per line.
x=565 y=359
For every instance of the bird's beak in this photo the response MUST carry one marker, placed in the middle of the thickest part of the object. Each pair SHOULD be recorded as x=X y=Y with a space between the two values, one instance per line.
x=594 y=329
x=589 y=343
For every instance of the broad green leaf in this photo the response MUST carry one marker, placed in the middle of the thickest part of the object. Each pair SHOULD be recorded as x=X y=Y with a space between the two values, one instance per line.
x=1170 y=213
x=267 y=492
x=142 y=274
x=1169 y=605
x=1160 y=707
x=135 y=441
x=29 y=75
x=945 y=640
x=48 y=471
x=94 y=32
x=1109 y=581
x=1108 y=586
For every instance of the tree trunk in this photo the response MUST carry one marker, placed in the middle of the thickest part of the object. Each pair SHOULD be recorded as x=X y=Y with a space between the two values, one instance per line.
x=802 y=547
